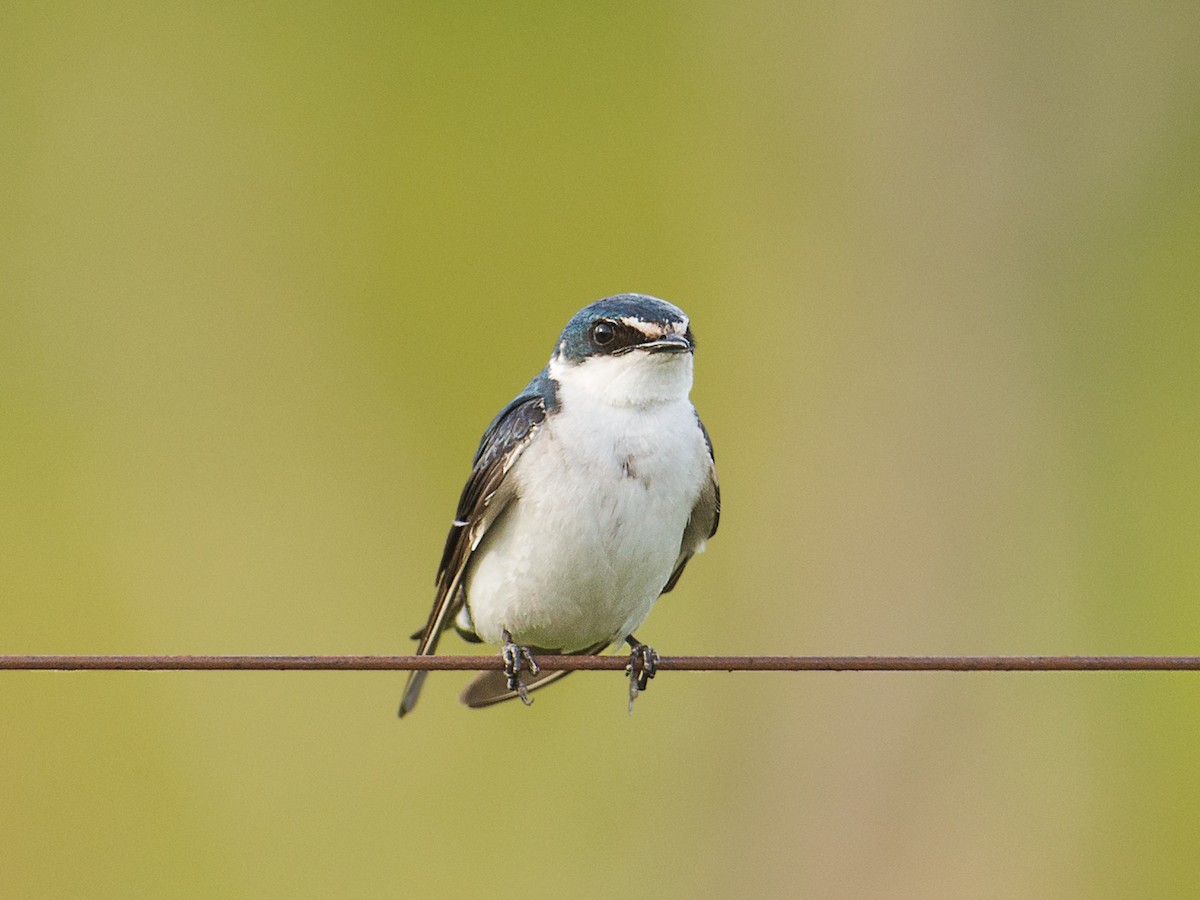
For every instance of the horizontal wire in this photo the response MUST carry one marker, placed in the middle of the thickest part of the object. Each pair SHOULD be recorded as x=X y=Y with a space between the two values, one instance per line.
x=64 y=663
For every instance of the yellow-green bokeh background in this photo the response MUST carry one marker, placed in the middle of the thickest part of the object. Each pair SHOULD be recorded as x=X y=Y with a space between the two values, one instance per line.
x=267 y=270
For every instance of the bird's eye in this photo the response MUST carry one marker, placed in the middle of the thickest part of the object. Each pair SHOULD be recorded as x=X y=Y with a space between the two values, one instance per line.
x=603 y=333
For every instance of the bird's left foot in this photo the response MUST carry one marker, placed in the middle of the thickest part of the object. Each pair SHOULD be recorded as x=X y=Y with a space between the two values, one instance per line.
x=643 y=665
x=516 y=658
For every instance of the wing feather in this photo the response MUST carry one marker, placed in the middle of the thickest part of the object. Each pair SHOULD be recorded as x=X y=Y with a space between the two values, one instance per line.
x=706 y=515
x=483 y=501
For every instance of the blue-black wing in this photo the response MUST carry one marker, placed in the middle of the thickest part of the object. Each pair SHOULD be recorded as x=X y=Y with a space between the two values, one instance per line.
x=483 y=500
x=706 y=515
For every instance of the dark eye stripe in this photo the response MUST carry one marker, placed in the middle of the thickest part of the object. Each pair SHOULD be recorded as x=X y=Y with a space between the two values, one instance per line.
x=623 y=336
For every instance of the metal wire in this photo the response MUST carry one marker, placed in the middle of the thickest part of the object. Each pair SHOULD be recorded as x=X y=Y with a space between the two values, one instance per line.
x=63 y=663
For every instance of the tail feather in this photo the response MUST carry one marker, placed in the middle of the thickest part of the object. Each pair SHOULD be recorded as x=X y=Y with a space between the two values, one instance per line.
x=492 y=687
x=487 y=688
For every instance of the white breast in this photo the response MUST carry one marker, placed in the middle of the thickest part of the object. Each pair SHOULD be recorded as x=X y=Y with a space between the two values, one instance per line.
x=604 y=495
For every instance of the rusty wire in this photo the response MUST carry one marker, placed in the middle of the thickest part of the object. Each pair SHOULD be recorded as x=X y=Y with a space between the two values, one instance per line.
x=575 y=663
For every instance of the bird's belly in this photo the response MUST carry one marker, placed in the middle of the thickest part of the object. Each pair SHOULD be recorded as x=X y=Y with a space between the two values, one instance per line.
x=581 y=555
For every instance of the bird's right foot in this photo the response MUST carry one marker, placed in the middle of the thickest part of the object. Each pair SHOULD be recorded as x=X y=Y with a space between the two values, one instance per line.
x=515 y=659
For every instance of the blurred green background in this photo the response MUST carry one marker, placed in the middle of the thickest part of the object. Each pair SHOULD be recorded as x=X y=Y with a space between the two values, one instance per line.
x=266 y=272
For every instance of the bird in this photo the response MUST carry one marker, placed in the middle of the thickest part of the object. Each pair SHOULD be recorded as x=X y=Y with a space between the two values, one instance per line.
x=588 y=495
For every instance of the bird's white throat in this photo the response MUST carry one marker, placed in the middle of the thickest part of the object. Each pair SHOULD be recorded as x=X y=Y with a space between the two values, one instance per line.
x=638 y=378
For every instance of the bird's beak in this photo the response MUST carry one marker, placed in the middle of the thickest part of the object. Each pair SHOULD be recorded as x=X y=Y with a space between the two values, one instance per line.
x=670 y=343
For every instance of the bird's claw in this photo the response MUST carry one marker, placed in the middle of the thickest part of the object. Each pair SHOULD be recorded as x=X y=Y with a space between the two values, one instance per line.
x=516 y=658
x=643 y=665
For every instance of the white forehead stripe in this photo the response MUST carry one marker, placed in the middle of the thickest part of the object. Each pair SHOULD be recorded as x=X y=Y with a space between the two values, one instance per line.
x=654 y=330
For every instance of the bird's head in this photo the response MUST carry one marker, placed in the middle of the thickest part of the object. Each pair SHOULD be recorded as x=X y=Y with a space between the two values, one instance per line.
x=626 y=350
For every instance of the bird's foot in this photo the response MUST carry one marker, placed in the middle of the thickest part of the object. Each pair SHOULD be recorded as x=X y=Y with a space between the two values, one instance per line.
x=643 y=665
x=516 y=658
